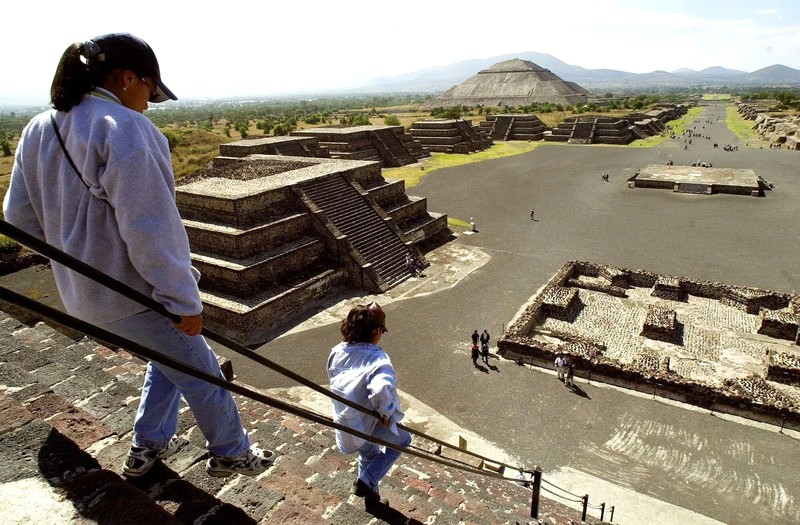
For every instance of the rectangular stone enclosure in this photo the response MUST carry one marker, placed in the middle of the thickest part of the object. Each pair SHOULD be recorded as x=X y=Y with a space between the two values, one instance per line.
x=702 y=342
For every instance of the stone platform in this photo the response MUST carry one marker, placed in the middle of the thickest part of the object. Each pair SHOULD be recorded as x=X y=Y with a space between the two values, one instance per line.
x=714 y=345
x=699 y=180
x=389 y=145
x=274 y=234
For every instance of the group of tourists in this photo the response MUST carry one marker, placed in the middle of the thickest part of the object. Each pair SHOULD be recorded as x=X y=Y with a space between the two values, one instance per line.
x=483 y=351
x=565 y=370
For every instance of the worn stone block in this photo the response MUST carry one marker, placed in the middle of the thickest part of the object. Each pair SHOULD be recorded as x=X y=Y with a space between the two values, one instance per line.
x=250 y=496
x=48 y=405
x=12 y=414
x=75 y=388
x=37 y=449
x=12 y=376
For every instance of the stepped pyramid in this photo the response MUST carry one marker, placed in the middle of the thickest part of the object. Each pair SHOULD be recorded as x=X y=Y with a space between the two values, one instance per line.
x=273 y=234
x=66 y=410
x=512 y=83
x=389 y=145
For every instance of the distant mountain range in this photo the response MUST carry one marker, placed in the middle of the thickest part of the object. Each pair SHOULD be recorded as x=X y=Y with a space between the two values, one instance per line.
x=442 y=78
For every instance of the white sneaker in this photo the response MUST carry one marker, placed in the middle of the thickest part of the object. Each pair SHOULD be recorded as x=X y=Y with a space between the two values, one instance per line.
x=141 y=459
x=252 y=463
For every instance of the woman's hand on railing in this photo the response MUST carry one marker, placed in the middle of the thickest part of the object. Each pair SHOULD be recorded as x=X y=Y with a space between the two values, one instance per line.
x=191 y=324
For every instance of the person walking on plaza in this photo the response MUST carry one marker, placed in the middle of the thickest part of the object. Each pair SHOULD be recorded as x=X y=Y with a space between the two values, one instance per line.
x=475 y=337
x=532 y=215
x=570 y=375
x=94 y=179
x=360 y=371
x=475 y=354
x=485 y=346
x=560 y=363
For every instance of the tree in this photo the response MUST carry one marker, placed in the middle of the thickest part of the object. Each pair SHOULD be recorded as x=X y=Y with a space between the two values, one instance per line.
x=172 y=139
x=391 y=120
x=6 y=148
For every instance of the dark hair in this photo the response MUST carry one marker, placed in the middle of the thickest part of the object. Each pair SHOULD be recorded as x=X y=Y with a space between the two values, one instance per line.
x=103 y=54
x=357 y=327
x=73 y=79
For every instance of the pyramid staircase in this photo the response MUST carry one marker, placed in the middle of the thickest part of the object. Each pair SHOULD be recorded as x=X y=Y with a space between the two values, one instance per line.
x=369 y=231
x=66 y=410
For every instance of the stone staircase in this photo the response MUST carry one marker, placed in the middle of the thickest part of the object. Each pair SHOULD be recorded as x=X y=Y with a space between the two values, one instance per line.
x=448 y=136
x=389 y=145
x=513 y=127
x=368 y=231
x=66 y=410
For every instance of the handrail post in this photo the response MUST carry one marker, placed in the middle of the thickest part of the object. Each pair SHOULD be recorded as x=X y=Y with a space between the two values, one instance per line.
x=602 y=510
x=611 y=516
x=537 y=489
x=585 y=499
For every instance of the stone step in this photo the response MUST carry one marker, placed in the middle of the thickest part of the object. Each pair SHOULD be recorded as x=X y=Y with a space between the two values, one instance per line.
x=79 y=448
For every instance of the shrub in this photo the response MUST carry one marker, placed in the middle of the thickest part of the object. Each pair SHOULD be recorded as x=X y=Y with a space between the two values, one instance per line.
x=391 y=120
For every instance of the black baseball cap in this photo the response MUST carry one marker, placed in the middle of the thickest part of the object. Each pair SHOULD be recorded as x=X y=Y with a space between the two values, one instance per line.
x=126 y=51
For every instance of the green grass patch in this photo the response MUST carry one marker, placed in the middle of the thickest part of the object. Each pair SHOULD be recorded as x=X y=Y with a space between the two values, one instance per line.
x=457 y=223
x=717 y=96
x=414 y=173
x=742 y=128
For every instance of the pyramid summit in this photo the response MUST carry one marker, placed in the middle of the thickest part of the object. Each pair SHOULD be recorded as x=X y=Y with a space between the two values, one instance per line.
x=512 y=82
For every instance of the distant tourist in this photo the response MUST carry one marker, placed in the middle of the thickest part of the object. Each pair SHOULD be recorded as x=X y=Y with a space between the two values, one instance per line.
x=475 y=354
x=570 y=374
x=560 y=363
x=532 y=215
x=472 y=224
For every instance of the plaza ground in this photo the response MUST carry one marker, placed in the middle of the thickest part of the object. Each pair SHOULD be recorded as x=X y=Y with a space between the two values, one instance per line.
x=606 y=440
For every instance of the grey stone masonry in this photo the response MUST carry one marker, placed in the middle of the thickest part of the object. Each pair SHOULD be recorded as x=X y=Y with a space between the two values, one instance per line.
x=449 y=136
x=389 y=145
x=271 y=239
x=68 y=456
x=660 y=330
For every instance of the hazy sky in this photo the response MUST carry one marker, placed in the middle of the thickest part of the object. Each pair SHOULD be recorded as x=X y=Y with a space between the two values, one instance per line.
x=244 y=47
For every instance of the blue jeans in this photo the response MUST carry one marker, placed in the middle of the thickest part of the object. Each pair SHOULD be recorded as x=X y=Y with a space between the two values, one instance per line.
x=374 y=464
x=157 y=417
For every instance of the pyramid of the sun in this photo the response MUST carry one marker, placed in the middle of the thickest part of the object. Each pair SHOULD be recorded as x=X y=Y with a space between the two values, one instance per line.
x=511 y=83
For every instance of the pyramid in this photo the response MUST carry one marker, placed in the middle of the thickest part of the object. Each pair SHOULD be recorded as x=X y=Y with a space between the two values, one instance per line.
x=513 y=82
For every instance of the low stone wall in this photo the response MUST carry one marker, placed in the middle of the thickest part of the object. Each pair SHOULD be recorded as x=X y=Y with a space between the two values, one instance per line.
x=783 y=368
x=256 y=320
x=750 y=397
x=660 y=324
x=778 y=323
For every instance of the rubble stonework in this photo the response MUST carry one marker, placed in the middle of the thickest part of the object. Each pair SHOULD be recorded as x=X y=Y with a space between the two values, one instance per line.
x=779 y=131
x=660 y=324
x=708 y=349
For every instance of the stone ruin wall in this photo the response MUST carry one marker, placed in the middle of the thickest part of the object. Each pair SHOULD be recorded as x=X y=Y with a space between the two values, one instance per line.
x=746 y=397
x=783 y=131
